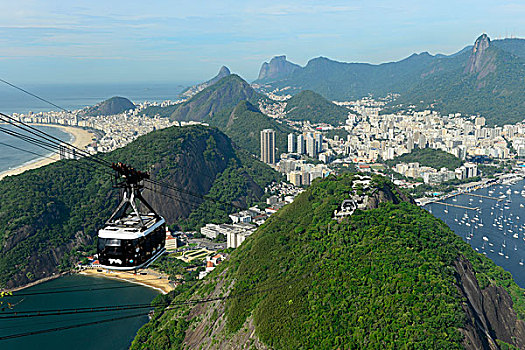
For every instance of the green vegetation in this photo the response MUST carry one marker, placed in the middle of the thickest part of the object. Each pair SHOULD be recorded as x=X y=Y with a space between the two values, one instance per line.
x=382 y=278
x=498 y=96
x=240 y=183
x=434 y=158
x=114 y=105
x=224 y=94
x=444 y=187
x=438 y=82
x=48 y=213
x=243 y=124
x=308 y=105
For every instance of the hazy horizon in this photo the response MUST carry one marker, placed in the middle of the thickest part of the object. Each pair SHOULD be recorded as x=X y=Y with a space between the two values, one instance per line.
x=100 y=42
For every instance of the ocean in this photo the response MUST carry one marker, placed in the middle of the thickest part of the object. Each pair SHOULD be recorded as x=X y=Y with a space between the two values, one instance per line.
x=76 y=96
x=70 y=97
x=497 y=230
x=59 y=294
x=11 y=157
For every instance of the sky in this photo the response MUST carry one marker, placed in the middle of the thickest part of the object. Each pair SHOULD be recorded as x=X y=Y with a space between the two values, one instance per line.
x=111 y=41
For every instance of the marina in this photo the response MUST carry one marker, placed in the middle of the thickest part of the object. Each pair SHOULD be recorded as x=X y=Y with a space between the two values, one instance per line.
x=492 y=221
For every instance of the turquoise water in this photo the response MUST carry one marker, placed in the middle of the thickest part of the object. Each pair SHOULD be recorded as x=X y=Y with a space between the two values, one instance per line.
x=110 y=335
x=497 y=230
x=12 y=157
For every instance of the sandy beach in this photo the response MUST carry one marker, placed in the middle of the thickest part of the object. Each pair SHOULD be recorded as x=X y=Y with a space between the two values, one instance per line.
x=81 y=138
x=152 y=279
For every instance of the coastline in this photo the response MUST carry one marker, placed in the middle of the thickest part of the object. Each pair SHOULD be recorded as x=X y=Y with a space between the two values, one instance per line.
x=81 y=138
x=153 y=279
x=34 y=283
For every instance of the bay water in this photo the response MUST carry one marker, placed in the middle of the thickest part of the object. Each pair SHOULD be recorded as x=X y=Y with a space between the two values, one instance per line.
x=68 y=292
x=496 y=229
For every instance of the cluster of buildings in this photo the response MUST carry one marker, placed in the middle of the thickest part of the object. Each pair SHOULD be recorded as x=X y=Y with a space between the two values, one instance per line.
x=434 y=176
x=373 y=136
x=245 y=222
x=211 y=264
x=308 y=143
x=118 y=130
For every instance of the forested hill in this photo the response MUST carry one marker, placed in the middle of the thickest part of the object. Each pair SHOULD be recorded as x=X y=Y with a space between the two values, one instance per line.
x=224 y=94
x=489 y=81
x=47 y=214
x=389 y=276
x=434 y=158
x=243 y=124
x=114 y=105
x=308 y=105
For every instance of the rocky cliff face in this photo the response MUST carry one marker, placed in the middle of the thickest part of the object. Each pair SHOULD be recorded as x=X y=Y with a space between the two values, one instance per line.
x=277 y=68
x=488 y=311
x=481 y=60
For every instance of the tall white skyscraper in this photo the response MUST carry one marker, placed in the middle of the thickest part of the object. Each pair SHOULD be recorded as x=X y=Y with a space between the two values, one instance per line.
x=311 y=146
x=319 y=142
x=301 y=147
x=268 y=146
x=292 y=143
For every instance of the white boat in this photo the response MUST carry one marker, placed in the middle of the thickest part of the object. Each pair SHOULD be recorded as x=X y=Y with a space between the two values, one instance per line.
x=515 y=235
x=485 y=239
x=521 y=262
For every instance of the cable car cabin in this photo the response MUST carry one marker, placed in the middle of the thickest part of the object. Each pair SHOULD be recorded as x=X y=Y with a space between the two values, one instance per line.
x=129 y=244
x=131 y=239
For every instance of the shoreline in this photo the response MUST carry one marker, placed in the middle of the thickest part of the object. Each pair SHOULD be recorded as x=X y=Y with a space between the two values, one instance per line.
x=81 y=138
x=160 y=282
x=34 y=283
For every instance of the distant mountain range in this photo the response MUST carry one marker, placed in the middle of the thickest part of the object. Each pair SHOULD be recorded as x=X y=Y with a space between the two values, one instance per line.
x=485 y=79
x=112 y=106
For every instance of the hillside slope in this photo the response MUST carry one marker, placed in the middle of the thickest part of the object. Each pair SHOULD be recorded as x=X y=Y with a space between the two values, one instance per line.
x=243 y=124
x=192 y=90
x=112 y=106
x=308 y=105
x=390 y=276
x=489 y=83
x=434 y=158
x=224 y=94
x=48 y=213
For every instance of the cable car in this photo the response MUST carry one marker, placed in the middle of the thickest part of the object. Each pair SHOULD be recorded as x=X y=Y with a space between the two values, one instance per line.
x=131 y=239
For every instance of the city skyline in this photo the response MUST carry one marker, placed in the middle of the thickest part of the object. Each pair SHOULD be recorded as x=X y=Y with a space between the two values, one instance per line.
x=179 y=42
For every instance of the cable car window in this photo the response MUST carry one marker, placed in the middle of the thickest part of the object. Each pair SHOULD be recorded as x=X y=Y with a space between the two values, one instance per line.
x=113 y=243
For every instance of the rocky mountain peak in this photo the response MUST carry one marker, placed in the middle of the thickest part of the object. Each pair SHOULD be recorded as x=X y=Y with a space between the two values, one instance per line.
x=191 y=91
x=277 y=68
x=479 y=60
